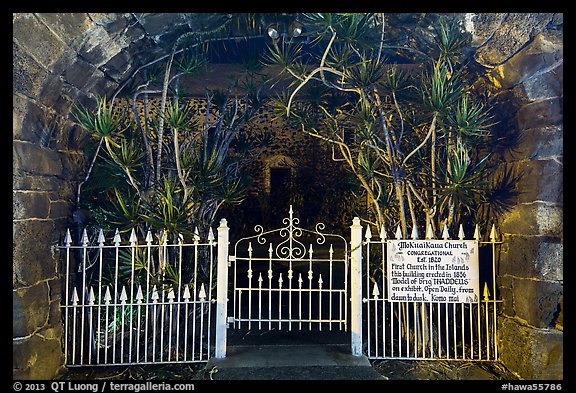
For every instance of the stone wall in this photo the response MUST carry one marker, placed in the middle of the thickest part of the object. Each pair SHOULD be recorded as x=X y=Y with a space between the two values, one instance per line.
x=60 y=59
x=524 y=53
x=308 y=159
x=315 y=193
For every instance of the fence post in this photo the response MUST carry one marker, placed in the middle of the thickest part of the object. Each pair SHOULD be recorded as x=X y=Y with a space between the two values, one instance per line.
x=222 y=290
x=356 y=286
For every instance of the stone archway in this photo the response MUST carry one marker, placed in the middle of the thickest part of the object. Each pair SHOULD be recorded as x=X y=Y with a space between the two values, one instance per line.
x=64 y=58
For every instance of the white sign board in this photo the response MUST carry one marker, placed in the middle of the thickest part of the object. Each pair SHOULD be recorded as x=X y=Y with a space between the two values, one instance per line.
x=433 y=271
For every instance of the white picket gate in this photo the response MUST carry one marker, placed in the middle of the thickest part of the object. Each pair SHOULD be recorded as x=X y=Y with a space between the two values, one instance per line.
x=433 y=330
x=166 y=301
x=138 y=303
x=290 y=284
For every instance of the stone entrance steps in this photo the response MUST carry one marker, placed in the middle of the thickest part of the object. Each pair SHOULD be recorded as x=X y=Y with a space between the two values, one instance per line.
x=292 y=362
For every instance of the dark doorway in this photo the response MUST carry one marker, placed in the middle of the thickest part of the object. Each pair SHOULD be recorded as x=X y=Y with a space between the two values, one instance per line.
x=280 y=192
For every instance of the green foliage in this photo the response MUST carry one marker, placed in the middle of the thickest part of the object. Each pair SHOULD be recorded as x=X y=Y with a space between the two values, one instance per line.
x=102 y=123
x=462 y=183
x=471 y=118
x=449 y=39
x=201 y=164
x=177 y=116
x=173 y=172
x=286 y=56
x=167 y=209
x=191 y=61
x=420 y=144
x=366 y=73
x=440 y=89
x=396 y=79
x=126 y=213
x=351 y=27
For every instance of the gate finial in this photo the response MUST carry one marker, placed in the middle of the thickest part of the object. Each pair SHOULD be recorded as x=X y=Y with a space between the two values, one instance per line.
x=133 y=238
x=414 y=232
x=398 y=233
x=171 y=295
x=107 y=296
x=155 y=295
x=493 y=234
x=486 y=293
x=123 y=295
x=375 y=291
x=445 y=234
x=186 y=294
x=91 y=297
x=382 y=232
x=68 y=238
x=461 y=233
x=139 y=295
x=75 y=297
x=101 y=237
x=202 y=294
x=117 y=239
x=477 y=233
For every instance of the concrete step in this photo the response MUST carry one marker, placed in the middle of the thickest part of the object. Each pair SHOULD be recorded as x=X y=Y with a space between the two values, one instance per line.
x=291 y=362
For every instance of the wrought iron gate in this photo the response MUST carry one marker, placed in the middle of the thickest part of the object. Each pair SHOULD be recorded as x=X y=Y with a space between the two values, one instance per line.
x=280 y=280
x=132 y=303
x=430 y=330
x=166 y=301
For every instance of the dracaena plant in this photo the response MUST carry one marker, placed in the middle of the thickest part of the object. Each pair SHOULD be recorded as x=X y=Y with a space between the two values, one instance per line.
x=173 y=169
x=419 y=143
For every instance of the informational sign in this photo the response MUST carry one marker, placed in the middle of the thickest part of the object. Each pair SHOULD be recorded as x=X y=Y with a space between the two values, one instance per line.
x=433 y=271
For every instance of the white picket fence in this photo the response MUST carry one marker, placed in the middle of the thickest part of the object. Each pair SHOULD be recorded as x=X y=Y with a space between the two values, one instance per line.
x=133 y=303
x=430 y=330
x=161 y=300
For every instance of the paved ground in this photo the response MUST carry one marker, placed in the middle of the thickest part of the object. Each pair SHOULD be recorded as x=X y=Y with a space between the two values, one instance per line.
x=281 y=355
x=287 y=362
x=298 y=356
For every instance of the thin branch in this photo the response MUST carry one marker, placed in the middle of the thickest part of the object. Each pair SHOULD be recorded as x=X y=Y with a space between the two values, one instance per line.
x=410 y=205
x=88 y=173
x=315 y=71
x=175 y=53
x=430 y=131
x=149 y=152
x=161 y=120
x=393 y=167
x=178 y=165
x=125 y=168
x=381 y=39
x=325 y=54
x=401 y=120
x=321 y=69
